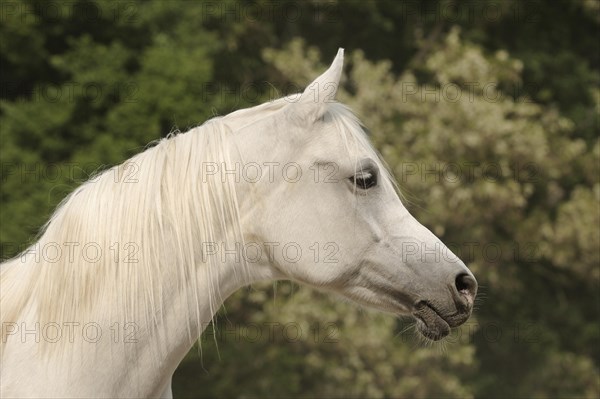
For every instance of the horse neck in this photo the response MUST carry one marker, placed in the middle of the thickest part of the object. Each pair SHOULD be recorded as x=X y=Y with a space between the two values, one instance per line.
x=189 y=306
x=159 y=306
x=142 y=353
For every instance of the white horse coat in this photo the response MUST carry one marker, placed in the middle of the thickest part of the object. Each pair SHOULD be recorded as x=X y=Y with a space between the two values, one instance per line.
x=134 y=263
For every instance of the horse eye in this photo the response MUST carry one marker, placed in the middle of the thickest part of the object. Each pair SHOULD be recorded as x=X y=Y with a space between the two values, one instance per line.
x=364 y=179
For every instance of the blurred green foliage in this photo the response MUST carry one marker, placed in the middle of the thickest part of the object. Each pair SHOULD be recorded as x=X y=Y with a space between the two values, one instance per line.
x=506 y=92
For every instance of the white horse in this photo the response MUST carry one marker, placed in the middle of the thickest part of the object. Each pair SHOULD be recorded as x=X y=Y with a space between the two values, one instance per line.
x=134 y=263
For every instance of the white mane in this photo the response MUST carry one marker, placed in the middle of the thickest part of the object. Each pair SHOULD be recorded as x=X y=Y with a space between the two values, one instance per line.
x=147 y=216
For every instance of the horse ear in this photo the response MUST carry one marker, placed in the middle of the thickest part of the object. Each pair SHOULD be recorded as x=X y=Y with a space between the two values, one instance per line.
x=311 y=104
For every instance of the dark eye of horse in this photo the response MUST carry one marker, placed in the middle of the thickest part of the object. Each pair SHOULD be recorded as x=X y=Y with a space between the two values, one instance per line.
x=365 y=179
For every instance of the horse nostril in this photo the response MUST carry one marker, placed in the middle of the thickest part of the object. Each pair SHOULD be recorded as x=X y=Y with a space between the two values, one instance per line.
x=466 y=285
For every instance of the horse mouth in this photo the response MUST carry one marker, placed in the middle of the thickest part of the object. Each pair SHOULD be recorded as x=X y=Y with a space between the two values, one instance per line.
x=429 y=322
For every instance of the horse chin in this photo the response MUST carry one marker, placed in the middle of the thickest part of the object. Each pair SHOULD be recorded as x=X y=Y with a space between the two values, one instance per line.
x=429 y=323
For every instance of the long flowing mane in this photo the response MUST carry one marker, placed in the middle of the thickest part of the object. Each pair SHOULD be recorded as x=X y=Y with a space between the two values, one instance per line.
x=131 y=229
x=116 y=227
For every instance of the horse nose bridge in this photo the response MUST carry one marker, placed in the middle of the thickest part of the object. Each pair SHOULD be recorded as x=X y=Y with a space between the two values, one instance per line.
x=422 y=245
x=431 y=251
x=428 y=257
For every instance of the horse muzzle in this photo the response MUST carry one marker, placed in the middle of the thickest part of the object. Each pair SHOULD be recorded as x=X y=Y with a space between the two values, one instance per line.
x=434 y=322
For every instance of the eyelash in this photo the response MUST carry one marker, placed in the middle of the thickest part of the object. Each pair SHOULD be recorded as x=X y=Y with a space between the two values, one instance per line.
x=364 y=180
